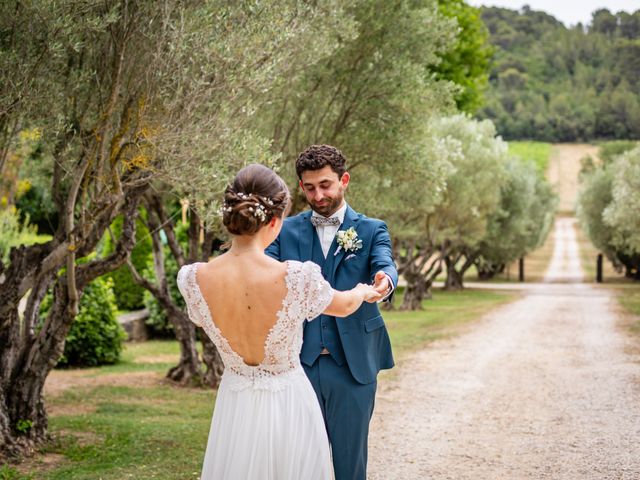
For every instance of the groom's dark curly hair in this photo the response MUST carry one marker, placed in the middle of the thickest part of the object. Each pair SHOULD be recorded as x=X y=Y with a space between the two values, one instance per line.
x=316 y=157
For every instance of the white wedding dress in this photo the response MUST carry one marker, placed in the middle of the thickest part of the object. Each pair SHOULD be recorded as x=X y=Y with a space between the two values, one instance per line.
x=267 y=423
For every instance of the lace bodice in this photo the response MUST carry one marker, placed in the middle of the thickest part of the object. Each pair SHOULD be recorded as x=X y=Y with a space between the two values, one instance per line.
x=308 y=295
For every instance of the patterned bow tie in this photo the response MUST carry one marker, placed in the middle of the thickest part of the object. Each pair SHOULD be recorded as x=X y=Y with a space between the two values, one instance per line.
x=323 y=221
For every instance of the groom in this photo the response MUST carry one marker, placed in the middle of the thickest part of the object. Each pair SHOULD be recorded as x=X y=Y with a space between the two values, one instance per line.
x=341 y=356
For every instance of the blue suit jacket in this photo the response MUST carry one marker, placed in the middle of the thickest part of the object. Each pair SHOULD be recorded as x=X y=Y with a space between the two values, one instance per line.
x=363 y=334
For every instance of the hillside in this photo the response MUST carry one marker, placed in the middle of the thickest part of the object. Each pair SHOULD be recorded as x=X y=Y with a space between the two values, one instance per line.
x=558 y=84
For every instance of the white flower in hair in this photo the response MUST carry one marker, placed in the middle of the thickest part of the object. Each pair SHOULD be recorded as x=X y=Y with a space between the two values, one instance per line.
x=260 y=212
x=224 y=208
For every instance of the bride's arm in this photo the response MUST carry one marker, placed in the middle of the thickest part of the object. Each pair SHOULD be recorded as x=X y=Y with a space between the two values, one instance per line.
x=346 y=302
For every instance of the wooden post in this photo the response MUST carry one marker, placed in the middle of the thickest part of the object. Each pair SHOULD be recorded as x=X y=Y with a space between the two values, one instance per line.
x=521 y=269
x=599 y=269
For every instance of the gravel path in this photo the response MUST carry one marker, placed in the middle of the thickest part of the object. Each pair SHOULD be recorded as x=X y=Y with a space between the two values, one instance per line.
x=542 y=388
x=564 y=169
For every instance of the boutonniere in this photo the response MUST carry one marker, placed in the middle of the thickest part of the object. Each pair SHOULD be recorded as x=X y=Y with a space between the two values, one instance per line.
x=348 y=241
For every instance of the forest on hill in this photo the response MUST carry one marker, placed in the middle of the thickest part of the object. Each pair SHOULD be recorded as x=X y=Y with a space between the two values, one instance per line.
x=558 y=84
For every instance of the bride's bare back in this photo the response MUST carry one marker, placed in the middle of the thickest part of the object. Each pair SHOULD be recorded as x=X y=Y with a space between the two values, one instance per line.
x=244 y=295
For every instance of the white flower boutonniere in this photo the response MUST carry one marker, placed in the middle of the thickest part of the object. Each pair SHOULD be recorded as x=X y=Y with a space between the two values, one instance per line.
x=348 y=241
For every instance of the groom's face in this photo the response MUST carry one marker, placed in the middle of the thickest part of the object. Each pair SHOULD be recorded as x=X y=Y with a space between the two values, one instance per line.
x=324 y=189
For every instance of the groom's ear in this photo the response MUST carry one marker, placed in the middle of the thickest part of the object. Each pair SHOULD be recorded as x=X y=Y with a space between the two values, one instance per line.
x=344 y=180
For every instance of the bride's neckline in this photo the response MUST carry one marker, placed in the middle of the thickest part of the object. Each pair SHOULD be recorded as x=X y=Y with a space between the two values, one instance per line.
x=278 y=315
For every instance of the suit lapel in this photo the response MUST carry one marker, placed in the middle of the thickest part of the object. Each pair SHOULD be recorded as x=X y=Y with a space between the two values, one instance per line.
x=350 y=220
x=307 y=232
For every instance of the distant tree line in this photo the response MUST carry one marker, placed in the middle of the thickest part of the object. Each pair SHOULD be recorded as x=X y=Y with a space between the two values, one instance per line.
x=558 y=84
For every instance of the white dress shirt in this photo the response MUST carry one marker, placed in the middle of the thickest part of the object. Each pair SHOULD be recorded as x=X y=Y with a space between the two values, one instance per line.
x=326 y=234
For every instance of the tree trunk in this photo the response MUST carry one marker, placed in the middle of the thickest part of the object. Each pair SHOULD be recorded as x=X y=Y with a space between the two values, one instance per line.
x=414 y=294
x=213 y=361
x=416 y=288
x=487 y=271
x=454 y=278
x=187 y=371
x=24 y=401
x=28 y=356
x=23 y=420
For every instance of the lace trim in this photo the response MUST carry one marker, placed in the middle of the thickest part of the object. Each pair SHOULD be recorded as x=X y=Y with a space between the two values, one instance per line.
x=275 y=383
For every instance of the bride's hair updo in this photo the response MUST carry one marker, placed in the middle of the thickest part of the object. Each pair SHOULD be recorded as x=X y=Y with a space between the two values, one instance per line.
x=255 y=196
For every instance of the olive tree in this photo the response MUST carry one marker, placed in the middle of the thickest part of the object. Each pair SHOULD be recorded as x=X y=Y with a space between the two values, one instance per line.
x=372 y=95
x=623 y=213
x=441 y=206
x=473 y=191
x=607 y=209
x=125 y=94
x=407 y=196
x=521 y=222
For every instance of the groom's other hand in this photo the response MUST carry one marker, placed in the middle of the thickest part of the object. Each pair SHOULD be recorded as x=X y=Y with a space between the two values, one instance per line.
x=382 y=285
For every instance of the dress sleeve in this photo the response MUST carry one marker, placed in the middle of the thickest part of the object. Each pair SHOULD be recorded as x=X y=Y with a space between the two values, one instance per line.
x=186 y=285
x=318 y=292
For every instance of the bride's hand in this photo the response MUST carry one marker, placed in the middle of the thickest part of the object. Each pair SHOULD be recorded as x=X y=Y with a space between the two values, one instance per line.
x=369 y=293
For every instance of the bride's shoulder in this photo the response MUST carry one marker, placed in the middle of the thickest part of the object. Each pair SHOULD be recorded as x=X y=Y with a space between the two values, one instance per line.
x=184 y=272
x=306 y=269
x=187 y=273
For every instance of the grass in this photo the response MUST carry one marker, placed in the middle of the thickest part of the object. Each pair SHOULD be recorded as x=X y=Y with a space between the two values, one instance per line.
x=629 y=299
x=114 y=432
x=153 y=430
x=628 y=296
x=135 y=432
x=536 y=152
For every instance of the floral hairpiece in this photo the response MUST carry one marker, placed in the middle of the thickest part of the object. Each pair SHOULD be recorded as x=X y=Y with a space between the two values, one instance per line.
x=266 y=200
x=259 y=211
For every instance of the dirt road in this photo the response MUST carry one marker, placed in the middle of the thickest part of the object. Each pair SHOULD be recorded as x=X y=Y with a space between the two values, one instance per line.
x=564 y=167
x=544 y=388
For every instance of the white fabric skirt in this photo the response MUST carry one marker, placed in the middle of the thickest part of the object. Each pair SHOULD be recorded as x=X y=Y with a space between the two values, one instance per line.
x=271 y=431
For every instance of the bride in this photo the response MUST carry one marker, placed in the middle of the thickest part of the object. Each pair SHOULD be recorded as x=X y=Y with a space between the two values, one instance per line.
x=267 y=422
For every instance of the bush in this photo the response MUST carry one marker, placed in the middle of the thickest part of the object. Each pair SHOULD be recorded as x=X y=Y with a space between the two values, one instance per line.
x=14 y=232
x=96 y=336
x=35 y=203
x=609 y=150
x=129 y=295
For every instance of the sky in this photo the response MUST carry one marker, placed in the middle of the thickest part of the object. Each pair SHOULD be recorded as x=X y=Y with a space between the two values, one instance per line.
x=569 y=12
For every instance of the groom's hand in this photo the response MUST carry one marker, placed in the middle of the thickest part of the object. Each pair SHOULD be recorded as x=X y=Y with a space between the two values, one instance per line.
x=381 y=285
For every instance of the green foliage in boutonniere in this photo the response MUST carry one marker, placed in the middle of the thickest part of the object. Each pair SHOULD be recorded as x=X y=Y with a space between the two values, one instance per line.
x=348 y=240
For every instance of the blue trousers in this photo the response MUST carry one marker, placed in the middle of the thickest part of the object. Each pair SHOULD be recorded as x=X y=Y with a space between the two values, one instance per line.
x=347 y=407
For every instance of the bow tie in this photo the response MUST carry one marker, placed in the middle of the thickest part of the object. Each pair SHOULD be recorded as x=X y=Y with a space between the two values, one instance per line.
x=323 y=221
